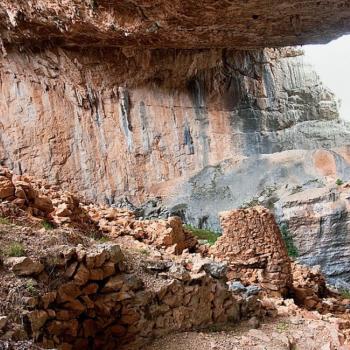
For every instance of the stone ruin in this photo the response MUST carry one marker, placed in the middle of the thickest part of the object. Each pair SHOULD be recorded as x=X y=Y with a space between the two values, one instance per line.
x=92 y=300
x=252 y=245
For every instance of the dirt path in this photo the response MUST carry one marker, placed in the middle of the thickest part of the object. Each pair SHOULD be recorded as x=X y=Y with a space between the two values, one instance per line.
x=293 y=333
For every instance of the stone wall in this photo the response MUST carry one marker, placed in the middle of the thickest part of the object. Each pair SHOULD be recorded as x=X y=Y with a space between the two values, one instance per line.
x=252 y=244
x=93 y=301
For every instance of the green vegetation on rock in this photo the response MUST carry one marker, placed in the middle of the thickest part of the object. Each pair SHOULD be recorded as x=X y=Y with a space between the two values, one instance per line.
x=288 y=240
x=47 y=225
x=4 y=221
x=339 y=182
x=204 y=234
x=15 y=249
x=345 y=293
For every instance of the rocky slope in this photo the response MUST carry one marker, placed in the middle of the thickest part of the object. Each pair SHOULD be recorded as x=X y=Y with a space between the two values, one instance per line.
x=119 y=283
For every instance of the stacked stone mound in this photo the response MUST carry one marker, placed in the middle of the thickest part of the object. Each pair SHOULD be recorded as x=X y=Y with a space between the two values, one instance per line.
x=38 y=199
x=252 y=244
x=169 y=234
x=92 y=301
x=309 y=286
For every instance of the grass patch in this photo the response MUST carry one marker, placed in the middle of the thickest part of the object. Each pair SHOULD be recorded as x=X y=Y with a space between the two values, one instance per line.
x=282 y=327
x=145 y=252
x=47 y=225
x=205 y=234
x=4 y=221
x=31 y=287
x=15 y=249
x=345 y=293
x=288 y=240
x=103 y=239
x=339 y=182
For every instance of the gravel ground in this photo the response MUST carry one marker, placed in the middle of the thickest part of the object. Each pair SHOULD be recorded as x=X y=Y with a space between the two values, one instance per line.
x=293 y=333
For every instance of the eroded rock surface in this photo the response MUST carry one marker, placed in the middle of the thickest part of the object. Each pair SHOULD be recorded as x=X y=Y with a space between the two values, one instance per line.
x=177 y=114
x=318 y=221
x=164 y=23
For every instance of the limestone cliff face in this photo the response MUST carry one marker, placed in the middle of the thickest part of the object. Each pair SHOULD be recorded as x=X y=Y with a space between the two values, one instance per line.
x=318 y=220
x=105 y=125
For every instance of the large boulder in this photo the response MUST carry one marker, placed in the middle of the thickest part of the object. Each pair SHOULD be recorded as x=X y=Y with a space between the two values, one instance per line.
x=24 y=266
x=7 y=189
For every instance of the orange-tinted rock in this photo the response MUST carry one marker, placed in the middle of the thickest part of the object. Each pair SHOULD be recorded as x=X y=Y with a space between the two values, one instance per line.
x=252 y=244
x=44 y=204
x=82 y=275
x=24 y=266
x=7 y=188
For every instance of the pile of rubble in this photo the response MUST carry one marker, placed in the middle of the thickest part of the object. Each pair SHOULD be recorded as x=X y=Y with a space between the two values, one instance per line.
x=39 y=200
x=169 y=234
x=24 y=195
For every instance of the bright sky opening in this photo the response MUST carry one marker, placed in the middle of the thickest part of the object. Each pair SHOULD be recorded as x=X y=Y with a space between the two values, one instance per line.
x=332 y=63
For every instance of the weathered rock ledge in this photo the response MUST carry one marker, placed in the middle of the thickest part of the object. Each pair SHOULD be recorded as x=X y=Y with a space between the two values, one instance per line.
x=175 y=24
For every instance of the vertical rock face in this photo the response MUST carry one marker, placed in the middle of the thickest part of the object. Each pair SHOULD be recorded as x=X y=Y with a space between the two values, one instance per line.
x=108 y=125
x=318 y=220
x=206 y=130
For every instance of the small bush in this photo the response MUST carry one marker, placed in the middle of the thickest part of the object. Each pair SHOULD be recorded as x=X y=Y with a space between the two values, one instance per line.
x=103 y=239
x=288 y=240
x=15 y=249
x=145 y=252
x=4 y=221
x=339 y=182
x=31 y=287
x=205 y=234
x=282 y=327
x=345 y=293
x=47 y=225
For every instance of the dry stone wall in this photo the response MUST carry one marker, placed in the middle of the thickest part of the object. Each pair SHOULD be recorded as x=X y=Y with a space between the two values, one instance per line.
x=92 y=301
x=252 y=244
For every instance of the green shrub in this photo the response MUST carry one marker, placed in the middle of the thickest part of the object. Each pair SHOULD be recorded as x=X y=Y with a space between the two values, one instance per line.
x=345 y=293
x=205 y=234
x=4 y=221
x=15 y=249
x=339 y=182
x=282 y=327
x=47 y=225
x=145 y=252
x=31 y=287
x=288 y=240
x=103 y=239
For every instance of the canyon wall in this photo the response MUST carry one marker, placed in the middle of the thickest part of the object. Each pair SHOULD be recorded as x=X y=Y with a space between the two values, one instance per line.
x=144 y=99
x=318 y=221
x=77 y=120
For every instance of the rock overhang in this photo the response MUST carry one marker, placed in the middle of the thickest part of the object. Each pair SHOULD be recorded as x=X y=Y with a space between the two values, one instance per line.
x=179 y=24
